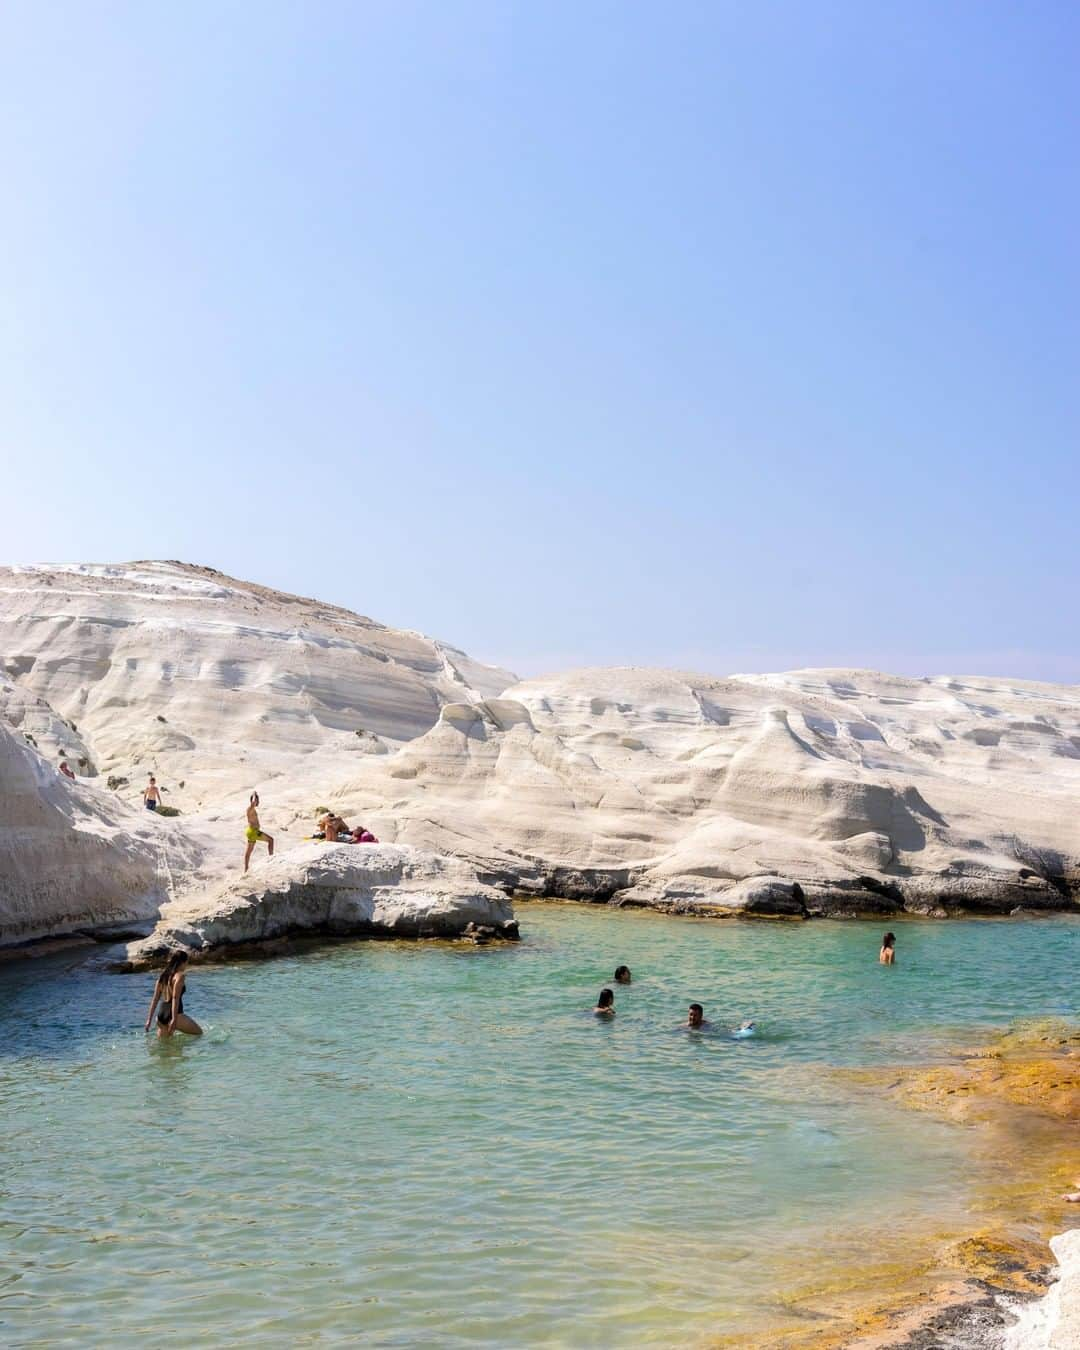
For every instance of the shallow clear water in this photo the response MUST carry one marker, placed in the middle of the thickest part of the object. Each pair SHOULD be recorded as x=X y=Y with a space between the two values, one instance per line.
x=429 y=1145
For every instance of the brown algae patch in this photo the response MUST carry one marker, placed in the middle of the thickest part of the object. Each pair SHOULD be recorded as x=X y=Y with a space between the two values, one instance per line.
x=1019 y=1095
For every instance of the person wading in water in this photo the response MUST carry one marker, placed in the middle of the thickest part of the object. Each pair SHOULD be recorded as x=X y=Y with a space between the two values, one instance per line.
x=169 y=992
x=254 y=831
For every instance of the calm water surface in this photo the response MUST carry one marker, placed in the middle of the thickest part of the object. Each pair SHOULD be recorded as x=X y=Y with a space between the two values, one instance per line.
x=397 y=1144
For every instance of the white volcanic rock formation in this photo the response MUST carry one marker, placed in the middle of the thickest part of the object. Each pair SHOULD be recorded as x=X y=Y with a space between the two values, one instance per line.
x=864 y=791
x=209 y=681
x=370 y=890
x=74 y=857
x=813 y=791
x=1053 y=1322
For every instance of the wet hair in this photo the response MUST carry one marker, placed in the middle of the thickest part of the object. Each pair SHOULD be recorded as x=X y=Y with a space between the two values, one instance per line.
x=253 y=799
x=606 y=999
x=696 y=1007
x=888 y=940
x=172 y=965
x=622 y=974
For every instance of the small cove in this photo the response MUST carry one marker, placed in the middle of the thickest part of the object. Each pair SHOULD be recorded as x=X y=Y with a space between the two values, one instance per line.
x=433 y=1144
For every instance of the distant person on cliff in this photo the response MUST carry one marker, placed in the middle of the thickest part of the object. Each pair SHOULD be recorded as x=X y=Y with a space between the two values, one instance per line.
x=695 y=1018
x=362 y=836
x=887 y=955
x=254 y=831
x=65 y=769
x=169 y=992
x=622 y=975
x=605 y=1004
x=151 y=795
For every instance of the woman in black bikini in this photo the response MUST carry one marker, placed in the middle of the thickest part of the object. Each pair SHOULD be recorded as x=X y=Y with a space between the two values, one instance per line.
x=169 y=992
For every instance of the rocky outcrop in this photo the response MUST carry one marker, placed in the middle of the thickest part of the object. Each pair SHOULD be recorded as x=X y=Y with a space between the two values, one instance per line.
x=336 y=889
x=820 y=792
x=213 y=682
x=72 y=857
x=1053 y=1322
x=817 y=792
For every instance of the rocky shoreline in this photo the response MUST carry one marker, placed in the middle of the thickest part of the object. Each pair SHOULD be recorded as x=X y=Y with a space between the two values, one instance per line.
x=1001 y=1287
x=334 y=890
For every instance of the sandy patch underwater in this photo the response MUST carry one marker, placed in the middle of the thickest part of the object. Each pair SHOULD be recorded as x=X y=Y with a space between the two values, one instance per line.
x=429 y=1144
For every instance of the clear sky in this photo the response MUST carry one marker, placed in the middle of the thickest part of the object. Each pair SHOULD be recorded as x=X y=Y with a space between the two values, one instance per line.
x=729 y=336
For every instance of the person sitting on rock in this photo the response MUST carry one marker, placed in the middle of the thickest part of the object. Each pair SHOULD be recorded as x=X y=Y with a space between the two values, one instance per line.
x=695 y=1018
x=622 y=975
x=605 y=1004
x=333 y=826
x=887 y=955
x=254 y=831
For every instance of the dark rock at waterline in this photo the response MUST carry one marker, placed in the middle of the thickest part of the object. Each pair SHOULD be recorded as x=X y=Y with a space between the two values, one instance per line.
x=340 y=890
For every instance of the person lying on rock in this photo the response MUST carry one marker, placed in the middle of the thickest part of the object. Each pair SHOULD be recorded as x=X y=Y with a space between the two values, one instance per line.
x=695 y=1018
x=362 y=836
x=605 y=1004
x=254 y=831
x=169 y=992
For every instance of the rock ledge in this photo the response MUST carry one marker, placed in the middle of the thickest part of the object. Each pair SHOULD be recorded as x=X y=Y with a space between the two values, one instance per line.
x=339 y=889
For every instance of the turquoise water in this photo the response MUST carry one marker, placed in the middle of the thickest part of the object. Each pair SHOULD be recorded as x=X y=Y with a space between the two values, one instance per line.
x=397 y=1144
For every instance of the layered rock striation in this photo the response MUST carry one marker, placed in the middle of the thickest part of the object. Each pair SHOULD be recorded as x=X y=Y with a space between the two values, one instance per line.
x=811 y=792
x=791 y=795
x=72 y=856
x=334 y=889
x=209 y=681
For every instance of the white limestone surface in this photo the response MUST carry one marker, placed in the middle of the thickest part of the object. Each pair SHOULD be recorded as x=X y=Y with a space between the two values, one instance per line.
x=943 y=792
x=1053 y=1322
x=72 y=856
x=374 y=890
x=213 y=682
x=839 y=791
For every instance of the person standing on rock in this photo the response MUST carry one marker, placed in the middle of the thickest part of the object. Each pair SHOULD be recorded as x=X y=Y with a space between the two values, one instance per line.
x=151 y=795
x=254 y=831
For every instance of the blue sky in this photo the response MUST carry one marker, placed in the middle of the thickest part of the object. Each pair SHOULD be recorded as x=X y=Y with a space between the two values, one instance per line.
x=729 y=336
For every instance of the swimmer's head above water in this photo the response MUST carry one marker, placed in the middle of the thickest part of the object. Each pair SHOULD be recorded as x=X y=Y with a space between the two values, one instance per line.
x=605 y=1004
x=695 y=1016
x=622 y=975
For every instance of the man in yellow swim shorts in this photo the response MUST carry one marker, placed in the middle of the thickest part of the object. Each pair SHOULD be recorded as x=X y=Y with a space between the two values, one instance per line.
x=254 y=831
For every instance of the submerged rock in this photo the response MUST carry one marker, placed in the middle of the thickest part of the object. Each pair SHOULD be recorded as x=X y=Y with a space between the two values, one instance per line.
x=340 y=889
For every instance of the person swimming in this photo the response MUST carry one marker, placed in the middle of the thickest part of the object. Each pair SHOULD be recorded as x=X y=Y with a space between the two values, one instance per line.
x=605 y=1004
x=169 y=992
x=744 y=1029
x=622 y=975
x=695 y=1018
x=887 y=955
